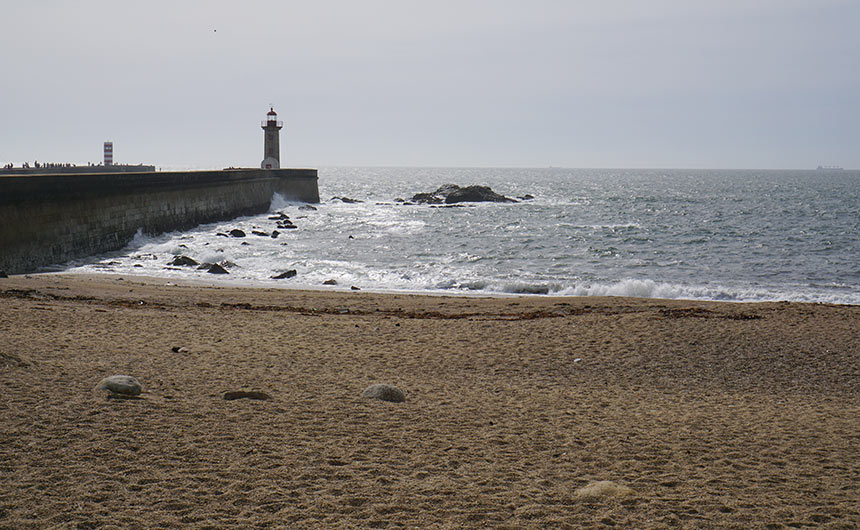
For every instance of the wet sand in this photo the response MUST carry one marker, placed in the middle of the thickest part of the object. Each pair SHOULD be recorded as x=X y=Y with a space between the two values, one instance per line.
x=714 y=415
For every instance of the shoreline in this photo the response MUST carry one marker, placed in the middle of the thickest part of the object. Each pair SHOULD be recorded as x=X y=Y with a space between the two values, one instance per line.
x=251 y=284
x=713 y=414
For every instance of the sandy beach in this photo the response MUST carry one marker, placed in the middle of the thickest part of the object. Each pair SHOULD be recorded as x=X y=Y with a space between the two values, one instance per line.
x=705 y=414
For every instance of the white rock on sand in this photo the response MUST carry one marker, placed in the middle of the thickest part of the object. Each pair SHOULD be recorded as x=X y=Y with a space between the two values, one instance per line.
x=603 y=488
x=124 y=385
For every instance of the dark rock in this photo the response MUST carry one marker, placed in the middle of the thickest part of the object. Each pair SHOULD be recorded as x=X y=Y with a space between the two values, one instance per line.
x=286 y=274
x=3 y=274
x=346 y=200
x=245 y=243
x=384 y=392
x=526 y=197
x=182 y=261
x=227 y=264
x=243 y=394
x=330 y=282
x=279 y=216
x=275 y=234
x=217 y=269
x=475 y=194
x=307 y=208
x=260 y=233
x=287 y=227
x=452 y=193
x=237 y=233
x=427 y=198
x=354 y=288
x=221 y=234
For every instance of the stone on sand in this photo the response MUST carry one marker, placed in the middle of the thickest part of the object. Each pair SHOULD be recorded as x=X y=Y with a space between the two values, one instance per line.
x=603 y=488
x=122 y=385
x=384 y=392
x=245 y=394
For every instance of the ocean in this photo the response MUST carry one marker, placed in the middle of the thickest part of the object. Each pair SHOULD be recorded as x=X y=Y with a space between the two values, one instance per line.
x=734 y=235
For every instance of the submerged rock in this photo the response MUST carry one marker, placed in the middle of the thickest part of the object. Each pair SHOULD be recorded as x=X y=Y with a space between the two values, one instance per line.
x=286 y=274
x=346 y=200
x=307 y=208
x=237 y=233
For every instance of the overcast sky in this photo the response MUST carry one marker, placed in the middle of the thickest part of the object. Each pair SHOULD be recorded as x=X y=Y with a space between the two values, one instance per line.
x=578 y=83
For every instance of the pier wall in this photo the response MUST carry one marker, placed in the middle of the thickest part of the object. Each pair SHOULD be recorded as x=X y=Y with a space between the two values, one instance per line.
x=50 y=219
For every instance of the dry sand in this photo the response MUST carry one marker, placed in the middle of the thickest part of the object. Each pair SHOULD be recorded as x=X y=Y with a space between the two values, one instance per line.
x=713 y=415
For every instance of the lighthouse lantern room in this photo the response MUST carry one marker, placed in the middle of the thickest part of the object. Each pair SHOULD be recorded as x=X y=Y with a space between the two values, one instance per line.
x=271 y=142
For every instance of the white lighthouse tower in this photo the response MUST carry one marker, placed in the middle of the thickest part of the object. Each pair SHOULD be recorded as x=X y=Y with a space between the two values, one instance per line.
x=271 y=142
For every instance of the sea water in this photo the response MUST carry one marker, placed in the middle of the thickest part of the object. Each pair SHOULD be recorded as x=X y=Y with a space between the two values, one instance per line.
x=739 y=235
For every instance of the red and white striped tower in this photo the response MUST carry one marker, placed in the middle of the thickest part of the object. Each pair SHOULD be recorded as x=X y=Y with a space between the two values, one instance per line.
x=108 y=153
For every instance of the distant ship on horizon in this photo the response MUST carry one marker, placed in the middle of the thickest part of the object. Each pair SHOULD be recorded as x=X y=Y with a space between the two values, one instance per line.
x=829 y=168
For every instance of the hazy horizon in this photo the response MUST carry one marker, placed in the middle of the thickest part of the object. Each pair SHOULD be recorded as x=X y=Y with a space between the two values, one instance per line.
x=611 y=84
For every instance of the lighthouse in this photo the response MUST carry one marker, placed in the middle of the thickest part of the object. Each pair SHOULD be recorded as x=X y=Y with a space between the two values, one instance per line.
x=271 y=143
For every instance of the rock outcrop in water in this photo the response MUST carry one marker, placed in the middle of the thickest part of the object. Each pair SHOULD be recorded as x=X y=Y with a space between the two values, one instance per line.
x=452 y=193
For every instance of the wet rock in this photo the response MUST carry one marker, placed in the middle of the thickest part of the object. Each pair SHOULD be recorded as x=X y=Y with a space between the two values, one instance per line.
x=354 y=288
x=286 y=274
x=215 y=268
x=452 y=193
x=260 y=233
x=3 y=274
x=346 y=200
x=237 y=233
x=330 y=282
x=427 y=198
x=221 y=234
x=182 y=261
x=121 y=385
x=526 y=197
x=307 y=208
x=244 y=394
x=279 y=216
x=384 y=392
x=275 y=234
x=475 y=194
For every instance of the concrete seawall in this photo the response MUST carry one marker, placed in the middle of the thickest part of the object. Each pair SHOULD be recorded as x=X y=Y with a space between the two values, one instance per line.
x=48 y=219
